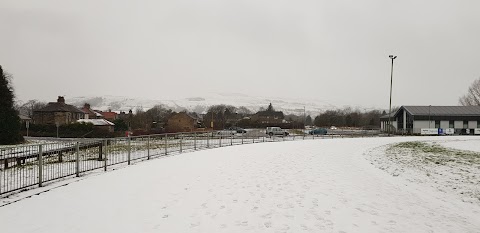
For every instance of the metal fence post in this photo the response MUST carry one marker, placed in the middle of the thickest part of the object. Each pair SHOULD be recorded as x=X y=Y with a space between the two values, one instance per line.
x=166 y=144
x=77 y=160
x=208 y=143
x=195 y=140
x=220 y=142
x=242 y=139
x=129 y=149
x=106 y=155
x=181 y=139
x=40 y=166
x=100 y=151
x=231 y=140
x=148 y=147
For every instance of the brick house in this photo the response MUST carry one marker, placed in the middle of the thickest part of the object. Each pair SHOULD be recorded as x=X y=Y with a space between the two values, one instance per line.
x=90 y=113
x=268 y=117
x=182 y=122
x=57 y=112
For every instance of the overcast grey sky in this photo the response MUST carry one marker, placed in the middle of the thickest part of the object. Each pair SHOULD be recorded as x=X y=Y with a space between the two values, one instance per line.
x=334 y=51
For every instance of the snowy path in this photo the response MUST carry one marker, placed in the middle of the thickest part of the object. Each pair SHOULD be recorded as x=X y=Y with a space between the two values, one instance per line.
x=304 y=186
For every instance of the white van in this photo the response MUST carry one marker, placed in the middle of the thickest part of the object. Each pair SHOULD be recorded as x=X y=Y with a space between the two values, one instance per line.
x=276 y=131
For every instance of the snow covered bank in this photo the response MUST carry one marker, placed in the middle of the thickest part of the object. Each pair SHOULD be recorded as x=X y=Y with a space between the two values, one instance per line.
x=451 y=166
x=302 y=186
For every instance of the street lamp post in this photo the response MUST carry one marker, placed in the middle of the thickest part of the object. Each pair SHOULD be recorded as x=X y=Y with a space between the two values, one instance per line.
x=390 y=108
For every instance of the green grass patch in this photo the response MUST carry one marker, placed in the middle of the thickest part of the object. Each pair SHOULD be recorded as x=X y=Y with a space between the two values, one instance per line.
x=439 y=154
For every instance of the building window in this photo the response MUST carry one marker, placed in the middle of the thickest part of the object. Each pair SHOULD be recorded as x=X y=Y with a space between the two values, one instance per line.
x=437 y=124
x=451 y=124
x=478 y=124
x=465 y=124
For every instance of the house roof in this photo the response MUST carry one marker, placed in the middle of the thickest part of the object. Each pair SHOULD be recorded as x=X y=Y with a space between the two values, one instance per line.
x=110 y=115
x=442 y=110
x=89 y=111
x=270 y=113
x=194 y=115
x=387 y=116
x=59 y=107
x=96 y=122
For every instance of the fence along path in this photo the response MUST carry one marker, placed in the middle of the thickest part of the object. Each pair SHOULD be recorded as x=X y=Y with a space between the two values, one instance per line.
x=28 y=166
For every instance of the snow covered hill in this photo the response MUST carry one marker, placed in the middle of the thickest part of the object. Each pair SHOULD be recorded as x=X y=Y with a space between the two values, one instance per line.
x=303 y=186
x=201 y=103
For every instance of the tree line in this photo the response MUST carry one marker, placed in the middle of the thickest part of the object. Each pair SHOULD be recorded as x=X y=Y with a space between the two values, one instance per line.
x=223 y=116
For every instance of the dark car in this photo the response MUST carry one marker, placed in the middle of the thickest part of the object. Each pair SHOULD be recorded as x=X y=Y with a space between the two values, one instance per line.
x=237 y=129
x=318 y=131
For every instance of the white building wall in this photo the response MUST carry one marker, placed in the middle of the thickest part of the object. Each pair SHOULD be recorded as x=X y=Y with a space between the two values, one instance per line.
x=472 y=124
x=444 y=124
x=383 y=125
x=423 y=124
x=458 y=124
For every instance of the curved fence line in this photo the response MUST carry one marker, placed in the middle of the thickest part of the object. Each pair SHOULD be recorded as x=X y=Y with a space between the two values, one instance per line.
x=29 y=166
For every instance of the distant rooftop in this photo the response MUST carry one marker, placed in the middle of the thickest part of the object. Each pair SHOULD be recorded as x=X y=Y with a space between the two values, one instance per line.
x=96 y=122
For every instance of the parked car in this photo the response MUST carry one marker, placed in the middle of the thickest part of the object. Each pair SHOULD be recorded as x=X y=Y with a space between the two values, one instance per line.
x=237 y=129
x=226 y=132
x=333 y=127
x=318 y=131
x=276 y=131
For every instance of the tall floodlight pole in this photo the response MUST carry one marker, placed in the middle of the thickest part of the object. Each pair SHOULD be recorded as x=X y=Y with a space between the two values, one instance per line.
x=390 y=108
x=429 y=116
x=304 y=118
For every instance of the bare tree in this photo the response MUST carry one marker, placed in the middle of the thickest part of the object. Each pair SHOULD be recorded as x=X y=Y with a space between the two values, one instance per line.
x=30 y=106
x=244 y=111
x=473 y=95
x=220 y=114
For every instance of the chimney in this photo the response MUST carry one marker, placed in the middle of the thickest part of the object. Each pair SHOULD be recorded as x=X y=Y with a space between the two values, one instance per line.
x=61 y=99
x=87 y=106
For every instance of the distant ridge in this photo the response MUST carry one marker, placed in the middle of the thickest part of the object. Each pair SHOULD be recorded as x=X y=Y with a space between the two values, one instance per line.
x=200 y=104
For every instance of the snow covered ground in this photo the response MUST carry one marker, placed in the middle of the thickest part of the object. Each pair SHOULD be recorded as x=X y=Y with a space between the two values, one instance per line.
x=330 y=185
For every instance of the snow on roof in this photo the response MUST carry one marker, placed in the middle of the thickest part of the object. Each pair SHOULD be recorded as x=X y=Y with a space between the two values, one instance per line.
x=96 y=122
x=59 y=107
x=23 y=117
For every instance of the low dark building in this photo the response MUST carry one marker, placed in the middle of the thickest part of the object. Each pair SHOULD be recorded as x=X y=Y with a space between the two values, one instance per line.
x=268 y=117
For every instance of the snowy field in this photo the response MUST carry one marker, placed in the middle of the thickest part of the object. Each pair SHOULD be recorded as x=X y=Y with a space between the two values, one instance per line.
x=330 y=185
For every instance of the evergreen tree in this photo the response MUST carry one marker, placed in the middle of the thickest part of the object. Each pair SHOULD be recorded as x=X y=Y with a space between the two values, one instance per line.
x=308 y=120
x=9 y=120
x=270 y=108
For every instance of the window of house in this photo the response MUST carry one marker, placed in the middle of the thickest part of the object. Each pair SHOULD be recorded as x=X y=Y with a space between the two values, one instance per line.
x=478 y=124
x=451 y=124
x=465 y=124
x=437 y=124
